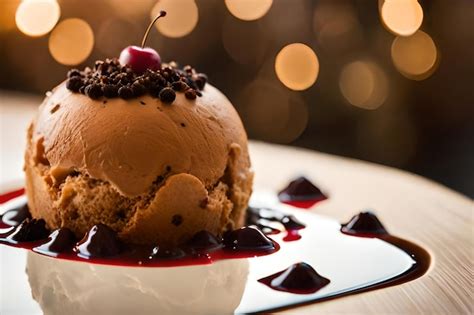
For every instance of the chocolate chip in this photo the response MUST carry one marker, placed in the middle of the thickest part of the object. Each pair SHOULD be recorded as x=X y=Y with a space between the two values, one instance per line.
x=200 y=80
x=94 y=91
x=124 y=81
x=142 y=102
x=177 y=220
x=175 y=77
x=188 y=69
x=179 y=86
x=183 y=125
x=73 y=73
x=98 y=64
x=167 y=69
x=203 y=204
x=155 y=91
x=110 y=90
x=190 y=94
x=74 y=83
x=167 y=95
x=125 y=92
x=160 y=80
x=138 y=89
x=168 y=168
x=117 y=80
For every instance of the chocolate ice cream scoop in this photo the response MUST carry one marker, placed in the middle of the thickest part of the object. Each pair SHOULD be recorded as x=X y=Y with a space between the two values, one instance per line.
x=138 y=164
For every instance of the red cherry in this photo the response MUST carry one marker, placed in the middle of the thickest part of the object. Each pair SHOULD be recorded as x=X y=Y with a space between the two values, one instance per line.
x=142 y=58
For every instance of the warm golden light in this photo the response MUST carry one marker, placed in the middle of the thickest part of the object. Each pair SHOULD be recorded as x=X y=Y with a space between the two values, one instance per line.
x=415 y=56
x=71 y=42
x=113 y=45
x=363 y=84
x=181 y=19
x=124 y=10
x=273 y=113
x=402 y=17
x=336 y=26
x=37 y=17
x=235 y=32
x=297 y=66
x=7 y=15
x=248 y=10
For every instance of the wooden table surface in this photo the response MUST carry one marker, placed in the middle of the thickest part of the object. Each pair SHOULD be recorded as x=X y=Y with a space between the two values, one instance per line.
x=410 y=207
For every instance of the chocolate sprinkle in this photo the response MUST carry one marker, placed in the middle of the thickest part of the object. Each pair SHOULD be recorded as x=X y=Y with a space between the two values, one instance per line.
x=177 y=220
x=110 y=90
x=190 y=94
x=74 y=84
x=94 y=91
x=125 y=92
x=203 y=204
x=179 y=86
x=73 y=73
x=110 y=79
x=167 y=95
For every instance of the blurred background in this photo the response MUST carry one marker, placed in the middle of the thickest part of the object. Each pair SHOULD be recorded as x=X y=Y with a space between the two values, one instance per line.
x=383 y=81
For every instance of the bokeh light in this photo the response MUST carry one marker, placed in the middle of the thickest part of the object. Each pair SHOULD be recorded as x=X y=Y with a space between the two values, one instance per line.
x=110 y=45
x=248 y=10
x=416 y=56
x=7 y=15
x=402 y=17
x=297 y=66
x=131 y=11
x=363 y=84
x=37 y=17
x=289 y=23
x=244 y=42
x=336 y=26
x=271 y=112
x=181 y=18
x=71 y=42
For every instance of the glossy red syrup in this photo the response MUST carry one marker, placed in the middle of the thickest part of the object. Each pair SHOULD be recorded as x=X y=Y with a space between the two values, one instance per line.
x=292 y=235
x=101 y=245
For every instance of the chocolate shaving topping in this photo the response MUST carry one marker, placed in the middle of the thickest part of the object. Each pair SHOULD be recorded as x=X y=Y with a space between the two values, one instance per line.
x=167 y=95
x=110 y=79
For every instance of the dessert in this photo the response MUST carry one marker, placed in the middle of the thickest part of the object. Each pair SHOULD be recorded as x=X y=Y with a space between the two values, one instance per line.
x=139 y=163
x=155 y=155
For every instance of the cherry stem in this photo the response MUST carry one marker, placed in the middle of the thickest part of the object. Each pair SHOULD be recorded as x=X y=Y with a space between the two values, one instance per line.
x=162 y=13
